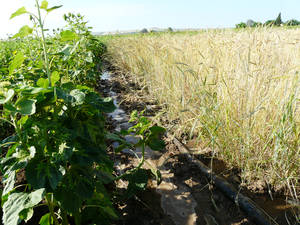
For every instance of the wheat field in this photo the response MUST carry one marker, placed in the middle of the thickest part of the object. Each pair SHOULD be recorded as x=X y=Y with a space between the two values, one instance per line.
x=234 y=91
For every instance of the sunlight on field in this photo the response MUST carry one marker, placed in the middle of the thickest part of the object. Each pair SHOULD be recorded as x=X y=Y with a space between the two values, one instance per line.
x=236 y=92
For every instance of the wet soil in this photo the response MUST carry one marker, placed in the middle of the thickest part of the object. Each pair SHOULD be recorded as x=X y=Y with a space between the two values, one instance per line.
x=185 y=196
x=186 y=190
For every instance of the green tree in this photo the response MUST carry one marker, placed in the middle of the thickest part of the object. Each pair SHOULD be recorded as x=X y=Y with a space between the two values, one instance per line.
x=278 y=20
x=241 y=25
x=292 y=22
x=269 y=23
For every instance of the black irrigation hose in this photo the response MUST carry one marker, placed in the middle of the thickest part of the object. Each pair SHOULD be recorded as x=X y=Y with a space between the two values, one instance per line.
x=254 y=212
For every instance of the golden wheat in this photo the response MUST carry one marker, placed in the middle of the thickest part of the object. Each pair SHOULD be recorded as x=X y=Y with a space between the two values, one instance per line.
x=236 y=91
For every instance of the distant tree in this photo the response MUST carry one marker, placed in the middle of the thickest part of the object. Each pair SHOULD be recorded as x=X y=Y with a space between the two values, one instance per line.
x=278 y=20
x=144 y=30
x=292 y=22
x=257 y=24
x=170 y=29
x=241 y=25
x=269 y=23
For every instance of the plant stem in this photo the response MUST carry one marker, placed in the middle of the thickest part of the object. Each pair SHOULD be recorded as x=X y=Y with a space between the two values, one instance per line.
x=77 y=219
x=64 y=218
x=43 y=42
x=51 y=209
x=134 y=169
x=5 y=120
x=17 y=129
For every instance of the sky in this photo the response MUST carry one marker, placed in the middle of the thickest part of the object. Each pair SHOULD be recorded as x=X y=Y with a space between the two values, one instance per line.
x=113 y=15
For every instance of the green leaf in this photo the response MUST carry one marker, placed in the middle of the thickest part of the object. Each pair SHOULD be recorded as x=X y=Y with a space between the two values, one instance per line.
x=17 y=202
x=156 y=144
x=114 y=137
x=102 y=104
x=44 y=5
x=8 y=96
x=66 y=50
x=35 y=90
x=79 y=97
x=26 y=214
x=10 y=108
x=36 y=174
x=8 y=141
x=137 y=182
x=105 y=177
x=104 y=213
x=35 y=197
x=22 y=121
x=107 y=105
x=54 y=177
x=42 y=82
x=54 y=78
x=26 y=107
x=89 y=57
x=68 y=35
x=45 y=220
x=154 y=140
x=157 y=130
x=16 y=62
x=9 y=181
x=12 y=207
x=19 y=12
x=84 y=188
x=23 y=32
x=110 y=211
x=63 y=196
x=134 y=116
x=53 y=8
x=77 y=185
x=40 y=175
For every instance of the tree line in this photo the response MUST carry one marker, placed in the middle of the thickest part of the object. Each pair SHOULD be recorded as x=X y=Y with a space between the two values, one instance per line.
x=277 y=22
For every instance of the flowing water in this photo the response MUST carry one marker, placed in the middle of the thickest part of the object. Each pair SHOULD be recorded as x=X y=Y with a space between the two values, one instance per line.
x=176 y=201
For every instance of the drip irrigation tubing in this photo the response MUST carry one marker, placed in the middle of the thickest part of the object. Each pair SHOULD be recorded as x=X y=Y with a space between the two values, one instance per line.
x=253 y=211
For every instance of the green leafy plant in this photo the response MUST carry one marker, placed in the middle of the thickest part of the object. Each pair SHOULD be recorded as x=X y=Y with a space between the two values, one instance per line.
x=80 y=55
x=59 y=137
x=147 y=135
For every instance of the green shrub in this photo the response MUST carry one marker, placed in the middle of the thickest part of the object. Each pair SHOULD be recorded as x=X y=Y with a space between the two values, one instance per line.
x=269 y=23
x=257 y=24
x=292 y=22
x=241 y=25
x=58 y=137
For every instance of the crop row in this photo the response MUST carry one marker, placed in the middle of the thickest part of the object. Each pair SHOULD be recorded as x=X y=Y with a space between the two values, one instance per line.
x=53 y=148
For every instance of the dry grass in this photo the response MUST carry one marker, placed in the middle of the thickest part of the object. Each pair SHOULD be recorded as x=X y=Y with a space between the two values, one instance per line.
x=236 y=91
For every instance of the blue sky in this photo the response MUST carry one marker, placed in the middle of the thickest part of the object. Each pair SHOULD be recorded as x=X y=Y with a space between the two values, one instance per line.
x=111 y=15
